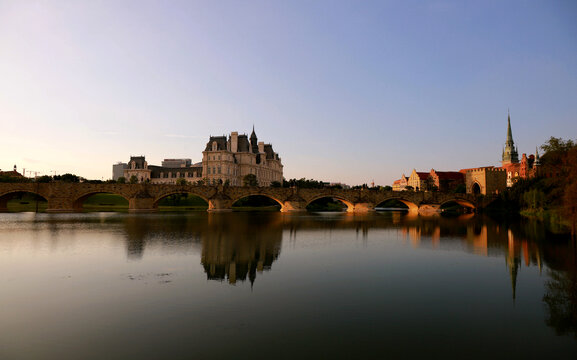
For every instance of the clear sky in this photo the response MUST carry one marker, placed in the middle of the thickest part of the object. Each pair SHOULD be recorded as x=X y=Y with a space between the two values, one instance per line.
x=349 y=91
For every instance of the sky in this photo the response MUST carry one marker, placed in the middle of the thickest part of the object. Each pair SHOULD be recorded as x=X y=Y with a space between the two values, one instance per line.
x=346 y=91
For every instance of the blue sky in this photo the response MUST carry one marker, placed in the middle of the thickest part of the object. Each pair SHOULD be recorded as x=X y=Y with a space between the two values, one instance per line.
x=349 y=91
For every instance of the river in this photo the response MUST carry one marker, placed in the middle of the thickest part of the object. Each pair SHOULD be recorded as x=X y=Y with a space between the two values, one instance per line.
x=283 y=286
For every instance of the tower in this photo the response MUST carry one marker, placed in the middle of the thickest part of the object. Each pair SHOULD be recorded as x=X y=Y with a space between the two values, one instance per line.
x=254 y=141
x=510 y=155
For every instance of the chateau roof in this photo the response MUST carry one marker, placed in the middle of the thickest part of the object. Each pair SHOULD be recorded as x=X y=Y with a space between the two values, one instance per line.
x=243 y=144
x=220 y=143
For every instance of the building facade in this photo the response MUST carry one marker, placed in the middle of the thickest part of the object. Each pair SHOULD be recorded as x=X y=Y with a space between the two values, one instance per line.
x=139 y=168
x=118 y=170
x=486 y=180
x=418 y=180
x=228 y=160
x=225 y=160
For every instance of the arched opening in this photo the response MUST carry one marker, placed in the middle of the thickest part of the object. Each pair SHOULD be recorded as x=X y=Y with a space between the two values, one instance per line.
x=476 y=188
x=101 y=202
x=181 y=202
x=256 y=203
x=456 y=207
x=327 y=203
x=397 y=204
x=392 y=205
x=23 y=201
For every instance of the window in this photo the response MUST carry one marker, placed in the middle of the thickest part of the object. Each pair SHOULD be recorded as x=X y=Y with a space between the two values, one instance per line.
x=219 y=169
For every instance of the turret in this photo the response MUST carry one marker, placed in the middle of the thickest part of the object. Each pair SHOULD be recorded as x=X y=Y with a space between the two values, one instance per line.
x=253 y=141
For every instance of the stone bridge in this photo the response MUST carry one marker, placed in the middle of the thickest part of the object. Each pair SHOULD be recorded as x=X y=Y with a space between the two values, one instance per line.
x=69 y=197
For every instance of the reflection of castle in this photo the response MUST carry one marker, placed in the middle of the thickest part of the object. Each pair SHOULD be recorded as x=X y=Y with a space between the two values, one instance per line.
x=236 y=247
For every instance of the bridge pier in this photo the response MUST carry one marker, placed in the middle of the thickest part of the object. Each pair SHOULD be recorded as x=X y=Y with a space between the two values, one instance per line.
x=139 y=204
x=429 y=209
x=293 y=206
x=219 y=205
x=60 y=205
x=361 y=207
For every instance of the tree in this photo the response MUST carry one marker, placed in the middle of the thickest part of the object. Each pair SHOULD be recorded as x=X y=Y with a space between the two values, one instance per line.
x=557 y=145
x=121 y=180
x=133 y=179
x=275 y=184
x=460 y=189
x=44 y=179
x=181 y=181
x=387 y=188
x=201 y=182
x=250 y=180
x=70 y=178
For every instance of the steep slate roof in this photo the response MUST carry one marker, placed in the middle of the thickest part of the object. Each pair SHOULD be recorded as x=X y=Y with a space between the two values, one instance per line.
x=269 y=151
x=220 y=143
x=243 y=144
x=423 y=175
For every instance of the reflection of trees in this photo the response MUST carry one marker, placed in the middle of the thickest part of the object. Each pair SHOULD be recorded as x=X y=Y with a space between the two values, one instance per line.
x=561 y=294
x=561 y=300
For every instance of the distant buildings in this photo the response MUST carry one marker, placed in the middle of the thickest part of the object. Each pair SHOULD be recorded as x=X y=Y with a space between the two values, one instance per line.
x=138 y=167
x=480 y=180
x=516 y=170
x=118 y=170
x=225 y=160
x=432 y=180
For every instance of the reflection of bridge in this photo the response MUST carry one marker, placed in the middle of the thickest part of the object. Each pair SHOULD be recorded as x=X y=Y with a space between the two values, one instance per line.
x=69 y=197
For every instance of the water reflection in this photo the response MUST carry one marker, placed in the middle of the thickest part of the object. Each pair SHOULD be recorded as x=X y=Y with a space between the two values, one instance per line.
x=238 y=247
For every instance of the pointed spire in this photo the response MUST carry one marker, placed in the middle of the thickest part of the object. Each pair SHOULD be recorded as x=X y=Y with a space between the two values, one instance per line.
x=509 y=132
x=510 y=154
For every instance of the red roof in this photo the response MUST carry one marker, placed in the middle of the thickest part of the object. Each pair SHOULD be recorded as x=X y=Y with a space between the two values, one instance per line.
x=10 y=173
x=423 y=175
x=449 y=175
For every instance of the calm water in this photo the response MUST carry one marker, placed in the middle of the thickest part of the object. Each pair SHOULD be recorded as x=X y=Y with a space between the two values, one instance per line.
x=278 y=286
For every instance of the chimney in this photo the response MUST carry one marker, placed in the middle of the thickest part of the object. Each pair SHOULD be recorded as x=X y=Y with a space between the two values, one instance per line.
x=234 y=141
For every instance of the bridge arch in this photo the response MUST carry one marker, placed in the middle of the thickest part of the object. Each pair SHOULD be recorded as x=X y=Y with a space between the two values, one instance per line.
x=350 y=205
x=164 y=195
x=463 y=202
x=13 y=193
x=256 y=193
x=78 y=201
x=411 y=205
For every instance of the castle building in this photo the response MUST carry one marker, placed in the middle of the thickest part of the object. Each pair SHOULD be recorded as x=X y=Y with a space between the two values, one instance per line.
x=225 y=160
x=229 y=160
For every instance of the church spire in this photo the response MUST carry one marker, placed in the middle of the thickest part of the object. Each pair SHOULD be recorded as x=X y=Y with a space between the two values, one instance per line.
x=509 y=132
x=510 y=154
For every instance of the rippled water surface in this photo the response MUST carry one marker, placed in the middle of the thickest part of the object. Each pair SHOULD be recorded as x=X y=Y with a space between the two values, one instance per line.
x=282 y=286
